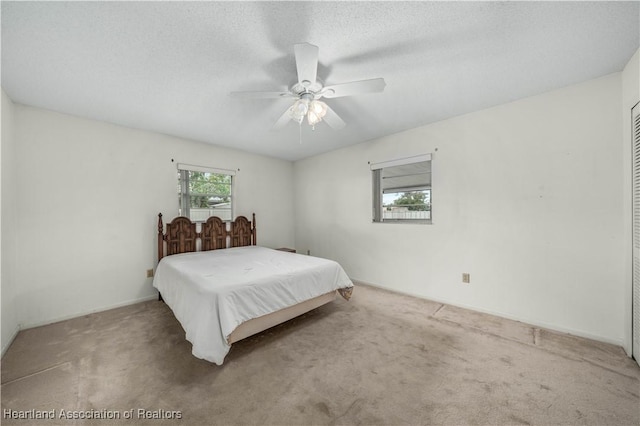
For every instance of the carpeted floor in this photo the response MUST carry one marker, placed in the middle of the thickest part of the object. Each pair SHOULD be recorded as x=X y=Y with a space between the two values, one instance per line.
x=382 y=358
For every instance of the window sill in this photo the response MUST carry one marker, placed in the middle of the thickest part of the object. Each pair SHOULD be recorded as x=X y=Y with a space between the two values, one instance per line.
x=406 y=221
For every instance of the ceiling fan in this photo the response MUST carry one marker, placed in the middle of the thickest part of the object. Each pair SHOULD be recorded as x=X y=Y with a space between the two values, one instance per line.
x=308 y=91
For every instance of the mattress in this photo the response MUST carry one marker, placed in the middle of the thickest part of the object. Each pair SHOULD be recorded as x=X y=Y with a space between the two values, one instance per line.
x=213 y=292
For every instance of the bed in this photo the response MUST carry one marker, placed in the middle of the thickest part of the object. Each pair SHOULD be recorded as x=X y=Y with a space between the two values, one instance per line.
x=222 y=287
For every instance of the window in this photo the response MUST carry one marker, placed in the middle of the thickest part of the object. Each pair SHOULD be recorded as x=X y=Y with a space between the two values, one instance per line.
x=204 y=192
x=402 y=190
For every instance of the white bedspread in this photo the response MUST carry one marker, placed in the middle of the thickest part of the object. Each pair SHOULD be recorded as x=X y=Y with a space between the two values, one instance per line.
x=213 y=292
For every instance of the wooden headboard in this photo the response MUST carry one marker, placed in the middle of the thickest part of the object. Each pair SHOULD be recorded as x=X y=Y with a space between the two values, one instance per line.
x=182 y=235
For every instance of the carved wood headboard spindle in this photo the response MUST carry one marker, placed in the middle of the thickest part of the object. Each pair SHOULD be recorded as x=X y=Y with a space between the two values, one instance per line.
x=160 y=237
x=253 y=231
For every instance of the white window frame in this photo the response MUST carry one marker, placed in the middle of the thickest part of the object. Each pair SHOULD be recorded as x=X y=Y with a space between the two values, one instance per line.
x=377 y=171
x=184 y=208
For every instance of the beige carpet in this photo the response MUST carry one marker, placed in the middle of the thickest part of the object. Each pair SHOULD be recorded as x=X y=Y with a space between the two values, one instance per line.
x=381 y=358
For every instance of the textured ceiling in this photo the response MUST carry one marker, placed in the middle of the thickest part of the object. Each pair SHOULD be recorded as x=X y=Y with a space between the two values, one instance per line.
x=168 y=67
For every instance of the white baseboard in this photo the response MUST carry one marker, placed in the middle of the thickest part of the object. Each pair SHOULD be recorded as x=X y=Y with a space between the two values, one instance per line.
x=534 y=323
x=13 y=337
x=76 y=315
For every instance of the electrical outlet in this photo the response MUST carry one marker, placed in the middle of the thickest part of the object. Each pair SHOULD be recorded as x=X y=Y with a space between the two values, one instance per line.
x=466 y=278
x=149 y=273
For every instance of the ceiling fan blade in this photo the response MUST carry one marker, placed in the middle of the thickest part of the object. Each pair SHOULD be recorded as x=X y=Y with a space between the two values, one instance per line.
x=262 y=95
x=354 y=88
x=306 y=63
x=282 y=121
x=333 y=120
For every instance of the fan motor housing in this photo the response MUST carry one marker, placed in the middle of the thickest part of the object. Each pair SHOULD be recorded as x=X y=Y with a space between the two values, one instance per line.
x=311 y=88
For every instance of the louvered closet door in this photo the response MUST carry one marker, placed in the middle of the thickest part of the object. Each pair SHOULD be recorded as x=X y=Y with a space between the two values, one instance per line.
x=635 y=121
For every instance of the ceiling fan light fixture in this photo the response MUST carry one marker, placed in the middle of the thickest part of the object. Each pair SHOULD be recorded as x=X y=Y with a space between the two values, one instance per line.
x=319 y=108
x=299 y=109
x=317 y=111
x=313 y=118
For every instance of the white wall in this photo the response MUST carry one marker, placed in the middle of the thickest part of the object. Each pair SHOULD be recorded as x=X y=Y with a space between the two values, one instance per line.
x=10 y=311
x=630 y=96
x=526 y=199
x=89 y=194
x=523 y=201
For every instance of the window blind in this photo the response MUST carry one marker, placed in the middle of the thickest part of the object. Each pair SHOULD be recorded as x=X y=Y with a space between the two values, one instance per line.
x=401 y=161
x=193 y=168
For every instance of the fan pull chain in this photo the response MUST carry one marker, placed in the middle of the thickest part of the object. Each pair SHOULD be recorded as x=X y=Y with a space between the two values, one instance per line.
x=300 y=129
